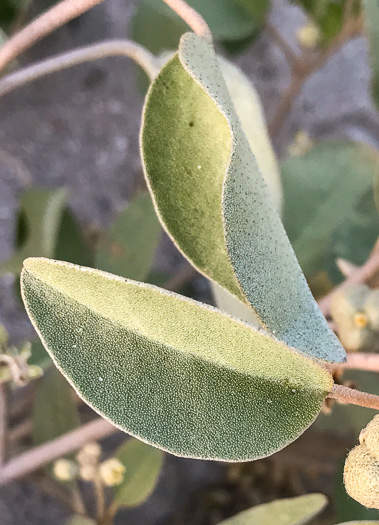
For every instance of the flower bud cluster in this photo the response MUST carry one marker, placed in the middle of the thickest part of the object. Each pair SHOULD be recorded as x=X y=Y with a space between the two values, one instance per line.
x=355 y=310
x=88 y=468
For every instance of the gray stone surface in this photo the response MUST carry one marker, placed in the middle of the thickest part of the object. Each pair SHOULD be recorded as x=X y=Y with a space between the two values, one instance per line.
x=79 y=128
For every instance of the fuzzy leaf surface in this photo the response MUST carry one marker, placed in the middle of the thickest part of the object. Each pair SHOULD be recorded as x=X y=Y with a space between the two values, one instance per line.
x=174 y=372
x=322 y=191
x=41 y=211
x=292 y=511
x=213 y=201
x=128 y=247
x=371 y=19
x=143 y=465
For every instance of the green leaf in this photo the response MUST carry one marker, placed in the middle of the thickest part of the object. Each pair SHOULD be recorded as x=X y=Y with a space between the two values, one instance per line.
x=128 y=247
x=321 y=192
x=54 y=411
x=371 y=20
x=71 y=245
x=158 y=28
x=174 y=372
x=354 y=239
x=80 y=520
x=39 y=356
x=40 y=215
x=143 y=465
x=206 y=183
x=292 y=511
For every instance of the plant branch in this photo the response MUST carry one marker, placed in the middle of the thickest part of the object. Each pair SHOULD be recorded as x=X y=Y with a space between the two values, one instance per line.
x=345 y=394
x=109 y=48
x=358 y=361
x=302 y=69
x=38 y=457
x=43 y=25
x=191 y=17
x=363 y=274
x=282 y=44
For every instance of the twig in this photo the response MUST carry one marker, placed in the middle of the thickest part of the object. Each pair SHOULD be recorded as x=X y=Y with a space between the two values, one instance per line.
x=282 y=43
x=179 y=280
x=303 y=69
x=3 y=422
x=55 y=17
x=191 y=17
x=363 y=274
x=100 y=497
x=20 y=431
x=39 y=456
x=358 y=361
x=345 y=394
x=126 y=48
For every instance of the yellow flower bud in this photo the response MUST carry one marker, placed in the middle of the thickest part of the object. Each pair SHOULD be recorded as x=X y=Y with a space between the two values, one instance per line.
x=309 y=35
x=89 y=454
x=112 y=472
x=88 y=472
x=302 y=143
x=65 y=469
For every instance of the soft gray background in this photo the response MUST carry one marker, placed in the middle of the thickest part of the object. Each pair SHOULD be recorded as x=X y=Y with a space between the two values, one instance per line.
x=80 y=129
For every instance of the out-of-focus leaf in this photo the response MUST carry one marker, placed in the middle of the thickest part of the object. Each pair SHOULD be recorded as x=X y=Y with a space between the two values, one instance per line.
x=293 y=511
x=353 y=239
x=174 y=372
x=371 y=18
x=71 y=246
x=40 y=214
x=143 y=465
x=346 y=508
x=80 y=520
x=128 y=247
x=54 y=411
x=39 y=356
x=321 y=191
x=360 y=523
x=328 y=15
x=213 y=201
x=158 y=28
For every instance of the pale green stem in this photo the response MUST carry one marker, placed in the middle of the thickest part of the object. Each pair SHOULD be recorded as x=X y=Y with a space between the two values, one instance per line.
x=43 y=25
x=84 y=54
x=194 y=19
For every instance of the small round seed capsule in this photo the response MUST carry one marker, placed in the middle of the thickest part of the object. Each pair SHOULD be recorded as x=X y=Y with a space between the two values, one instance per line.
x=372 y=309
x=347 y=302
x=369 y=437
x=361 y=477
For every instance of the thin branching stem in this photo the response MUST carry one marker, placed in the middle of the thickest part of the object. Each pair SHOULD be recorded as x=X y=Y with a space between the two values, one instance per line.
x=363 y=274
x=345 y=394
x=194 y=19
x=358 y=361
x=38 y=457
x=43 y=25
x=109 y=48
